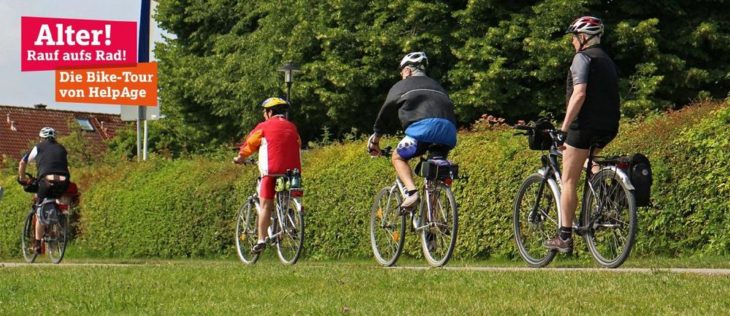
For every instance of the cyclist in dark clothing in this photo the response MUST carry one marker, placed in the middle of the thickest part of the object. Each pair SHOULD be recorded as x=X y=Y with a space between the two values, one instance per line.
x=425 y=112
x=53 y=175
x=592 y=116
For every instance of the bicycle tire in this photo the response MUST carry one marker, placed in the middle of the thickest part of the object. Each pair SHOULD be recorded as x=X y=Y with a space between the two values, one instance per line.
x=27 y=238
x=530 y=229
x=291 y=241
x=247 y=231
x=438 y=239
x=387 y=227
x=607 y=218
x=57 y=238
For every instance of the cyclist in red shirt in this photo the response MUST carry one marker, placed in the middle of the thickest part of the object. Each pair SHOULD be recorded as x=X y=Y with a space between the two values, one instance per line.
x=278 y=143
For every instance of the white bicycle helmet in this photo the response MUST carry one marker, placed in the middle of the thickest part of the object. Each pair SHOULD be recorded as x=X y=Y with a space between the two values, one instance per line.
x=586 y=24
x=47 y=132
x=416 y=59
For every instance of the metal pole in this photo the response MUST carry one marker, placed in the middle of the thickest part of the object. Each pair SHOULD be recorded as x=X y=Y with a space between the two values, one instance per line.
x=143 y=56
x=139 y=133
x=144 y=146
x=288 y=91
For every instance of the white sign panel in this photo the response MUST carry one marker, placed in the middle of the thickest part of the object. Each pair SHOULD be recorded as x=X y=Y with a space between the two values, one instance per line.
x=130 y=113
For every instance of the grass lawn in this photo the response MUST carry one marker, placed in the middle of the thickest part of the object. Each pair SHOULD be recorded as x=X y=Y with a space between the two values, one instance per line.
x=354 y=287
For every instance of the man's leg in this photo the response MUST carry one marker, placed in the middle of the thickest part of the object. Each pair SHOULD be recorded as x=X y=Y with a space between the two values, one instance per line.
x=403 y=170
x=267 y=206
x=573 y=161
x=407 y=149
x=44 y=188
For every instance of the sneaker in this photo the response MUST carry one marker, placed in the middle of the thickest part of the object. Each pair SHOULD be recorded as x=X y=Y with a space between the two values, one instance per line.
x=410 y=201
x=557 y=243
x=259 y=247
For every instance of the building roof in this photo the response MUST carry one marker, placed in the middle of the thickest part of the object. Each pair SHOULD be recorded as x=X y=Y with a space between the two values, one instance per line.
x=19 y=127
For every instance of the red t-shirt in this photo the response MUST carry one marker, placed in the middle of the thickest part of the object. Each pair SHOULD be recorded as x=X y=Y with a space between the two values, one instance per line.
x=278 y=144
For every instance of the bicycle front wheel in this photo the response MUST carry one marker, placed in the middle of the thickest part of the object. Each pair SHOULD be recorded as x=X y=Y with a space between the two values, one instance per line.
x=246 y=231
x=57 y=238
x=27 y=238
x=535 y=219
x=440 y=216
x=291 y=239
x=387 y=227
x=610 y=219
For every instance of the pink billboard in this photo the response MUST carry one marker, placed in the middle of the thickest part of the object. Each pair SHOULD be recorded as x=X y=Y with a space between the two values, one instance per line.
x=55 y=43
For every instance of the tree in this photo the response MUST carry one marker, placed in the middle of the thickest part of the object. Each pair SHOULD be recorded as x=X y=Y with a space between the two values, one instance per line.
x=508 y=58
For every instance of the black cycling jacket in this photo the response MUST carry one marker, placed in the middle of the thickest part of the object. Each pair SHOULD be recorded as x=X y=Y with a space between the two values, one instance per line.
x=415 y=98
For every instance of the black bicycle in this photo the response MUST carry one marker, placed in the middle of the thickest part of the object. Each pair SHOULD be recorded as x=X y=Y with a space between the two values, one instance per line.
x=53 y=215
x=607 y=219
x=287 y=222
x=436 y=219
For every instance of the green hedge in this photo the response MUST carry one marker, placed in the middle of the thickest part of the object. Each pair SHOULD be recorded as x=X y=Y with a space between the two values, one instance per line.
x=186 y=208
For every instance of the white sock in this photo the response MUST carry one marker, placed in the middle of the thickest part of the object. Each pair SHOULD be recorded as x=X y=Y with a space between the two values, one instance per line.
x=261 y=241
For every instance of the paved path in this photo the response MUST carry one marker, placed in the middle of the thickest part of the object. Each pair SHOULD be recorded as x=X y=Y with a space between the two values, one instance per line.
x=705 y=271
x=90 y=264
x=619 y=270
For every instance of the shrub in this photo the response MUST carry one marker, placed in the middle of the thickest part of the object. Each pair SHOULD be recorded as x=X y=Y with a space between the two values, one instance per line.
x=187 y=207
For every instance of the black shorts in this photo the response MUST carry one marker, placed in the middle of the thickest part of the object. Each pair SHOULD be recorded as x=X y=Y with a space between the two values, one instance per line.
x=51 y=189
x=584 y=138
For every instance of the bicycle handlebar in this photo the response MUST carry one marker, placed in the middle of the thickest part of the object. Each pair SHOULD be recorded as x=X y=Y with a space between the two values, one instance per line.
x=386 y=152
x=31 y=180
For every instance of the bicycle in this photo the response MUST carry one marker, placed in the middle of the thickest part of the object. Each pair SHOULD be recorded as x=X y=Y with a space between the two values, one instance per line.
x=607 y=220
x=436 y=218
x=53 y=214
x=287 y=222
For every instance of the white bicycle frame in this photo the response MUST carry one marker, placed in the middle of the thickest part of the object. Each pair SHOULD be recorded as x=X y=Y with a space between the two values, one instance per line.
x=402 y=190
x=282 y=198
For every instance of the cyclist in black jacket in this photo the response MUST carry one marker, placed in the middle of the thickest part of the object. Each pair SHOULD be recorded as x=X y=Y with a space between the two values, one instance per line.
x=425 y=112
x=592 y=116
x=53 y=175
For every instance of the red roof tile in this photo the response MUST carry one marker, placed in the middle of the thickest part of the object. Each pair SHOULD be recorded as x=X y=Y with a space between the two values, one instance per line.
x=19 y=127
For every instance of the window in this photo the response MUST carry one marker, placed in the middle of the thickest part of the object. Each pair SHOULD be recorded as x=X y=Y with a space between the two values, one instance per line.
x=85 y=124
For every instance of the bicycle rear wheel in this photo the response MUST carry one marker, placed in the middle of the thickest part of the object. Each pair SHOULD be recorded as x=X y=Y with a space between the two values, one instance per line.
x=291 y=240
x=610 y=219
x=246 y=231
x=441 y=219
x=535 y=220
x=27 y=238
x=57 y=238
x=387 y=226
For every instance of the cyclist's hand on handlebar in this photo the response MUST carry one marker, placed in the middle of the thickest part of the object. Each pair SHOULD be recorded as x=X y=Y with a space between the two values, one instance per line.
x=24 y=180
x=560 y=137
x=239 y=160
x=374 y=146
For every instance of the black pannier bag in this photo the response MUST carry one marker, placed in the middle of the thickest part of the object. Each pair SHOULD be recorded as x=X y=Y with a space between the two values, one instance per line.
x=538 y=139
x=433 y=169
x=641 y=179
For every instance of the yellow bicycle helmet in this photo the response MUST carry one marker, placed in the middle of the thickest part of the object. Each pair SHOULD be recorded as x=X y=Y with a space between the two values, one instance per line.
x=272 y=102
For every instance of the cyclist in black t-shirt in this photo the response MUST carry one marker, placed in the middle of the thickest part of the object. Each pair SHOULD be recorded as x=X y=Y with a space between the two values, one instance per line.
x=53 y=175
x=592 y=115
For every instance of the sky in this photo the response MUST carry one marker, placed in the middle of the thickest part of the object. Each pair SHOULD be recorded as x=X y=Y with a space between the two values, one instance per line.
x=28 y=88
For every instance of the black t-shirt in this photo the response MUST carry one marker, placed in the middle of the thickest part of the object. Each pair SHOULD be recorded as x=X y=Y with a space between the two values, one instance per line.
x=601 y=108
x=50 y=157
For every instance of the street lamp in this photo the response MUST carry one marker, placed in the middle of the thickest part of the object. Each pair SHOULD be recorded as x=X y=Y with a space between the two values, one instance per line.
x=289 y=69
